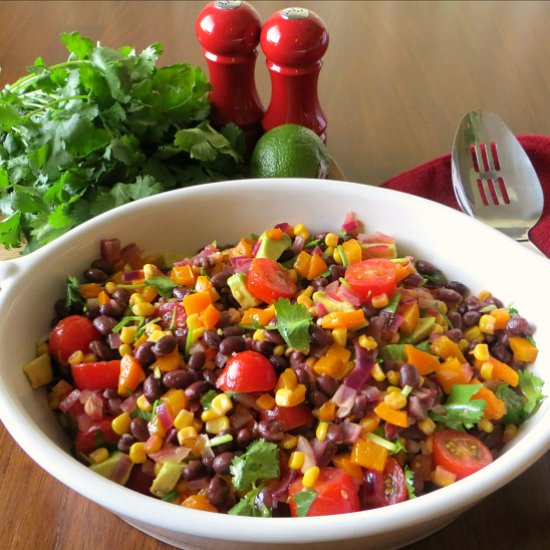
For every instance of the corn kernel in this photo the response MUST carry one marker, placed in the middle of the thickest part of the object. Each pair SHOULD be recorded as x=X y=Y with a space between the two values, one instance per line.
x=473 y=333
x=283 y=397
x=487 y=324
x=367 y=342
x=143 y=403
x=194 y=321
x=259 y=335
x=121 y=423
x=183 y=419
x=149 y=294
x=395 y=400
x=217 y=425
x=381 y=300
x=189 y=432
x=128 y=335
x=221 y=404
x=287 y=379
x=135 y=298
x=150 y=328
x=331 y=239
x=321 y=431
x=486 y=371
x=75 y=357
x=137 y=453
x=336 y=256
x=125 y=349
x=144 y=309
x=369 y=424
x=110 y=287
x=156 y=335
x=340 y=336
x=329 y=252
x=304 y=301
x=279 y=350
x=99 y=455
x=485 y=426
x=426 y=426
x=265 y=402
x=301 y=231
x=438 y=328
x=327 y=411
x=307 y=291
x=310 y=476
x=484 y=295
x=153 y=444
x=442 y=477
x=209 y=414
x=393 y=377
x=481 y=352
x=149 y=271
x=510 y=431
x=377 y=373
x=288 y=442
x=463 y=344
x=296 y=460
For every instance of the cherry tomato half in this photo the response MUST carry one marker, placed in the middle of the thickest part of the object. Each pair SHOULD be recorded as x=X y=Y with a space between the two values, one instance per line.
x=247 y=371
x=269 y=281
x=372 y=277
x=460 y=453
x=336 y=491
x=97 y=375
x=290 y=417
x=71 y=334
x=97 y=435
x=384 y=488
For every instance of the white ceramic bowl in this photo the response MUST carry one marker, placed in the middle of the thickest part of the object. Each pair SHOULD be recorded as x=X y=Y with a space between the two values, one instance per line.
x=183 y=220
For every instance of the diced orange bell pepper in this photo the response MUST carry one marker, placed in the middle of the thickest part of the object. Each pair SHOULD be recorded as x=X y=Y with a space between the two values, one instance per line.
x=404 y=269
x=301 y=264
x=131 y=375
x=210 y=317
x=316 y=266
x=199 y=502
x=175 y=399
x=410 y=314
x=353 y=251
x=496 y=408
x=522 y=349
x=343 y=461
x=197 y=302
x=274 y=234
x=327 y=411
x=90 y=290
x=339 y=352
x=242 y=249
x=369 y=455
x=452 y=372
x=502 y=316
x=424 y=362
x=168 y=362
x=183 y=275
x=102 y=297
x=445 y=348
x=261 y=316
x=392 y=416
x=343 y=319
x=500 y=371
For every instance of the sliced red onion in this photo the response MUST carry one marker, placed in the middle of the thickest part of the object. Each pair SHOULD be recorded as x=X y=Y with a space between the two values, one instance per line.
x=333 y=295
x=344 y=399
x=416 y=408
x=85 y=395
x=279 y=491
x=241 y=417
x=134 y=275
x=372 y=393
x=129 y=404
x=375 y=238
x=317 y=250
x=113 y=340
x=110 y=250
x=309 y=458
x=197 y=485
x=165 y=416
x=84 y=422
x=319 y=448
x=350 y=432
x=351 y=224
x=209 y=251
x=321 y=309
x=347 y=295
x=185 y=261
x=364 y=363
x=256 y=247
x=172 y=455
x=69 y=400
x=241 y=264
x=283 y=226
x=298 y=245
x=122 y=470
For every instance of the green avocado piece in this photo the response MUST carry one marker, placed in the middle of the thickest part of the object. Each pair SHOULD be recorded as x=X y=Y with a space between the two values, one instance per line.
x=331 y=304
x=107 y=467
x=271 y=248
x=167 y=478
x=422 y=330
x=394 y=352
x=237 y=284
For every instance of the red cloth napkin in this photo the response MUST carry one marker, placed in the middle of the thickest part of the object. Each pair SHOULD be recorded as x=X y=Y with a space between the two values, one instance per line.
x=432 y=180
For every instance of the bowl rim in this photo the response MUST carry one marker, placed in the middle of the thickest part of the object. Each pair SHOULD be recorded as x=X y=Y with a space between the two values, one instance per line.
x=74 y=475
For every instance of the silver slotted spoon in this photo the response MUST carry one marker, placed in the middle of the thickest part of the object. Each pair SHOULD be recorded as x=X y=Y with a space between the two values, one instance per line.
x=493 y=178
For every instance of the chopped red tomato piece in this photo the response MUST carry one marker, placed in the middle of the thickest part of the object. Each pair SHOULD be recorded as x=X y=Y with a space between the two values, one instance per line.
x=71 y=334
x=384 y=488
x=372 y=277
x=460 y=453
x=290 y=417
x=269 y=281
x=336 y=493
x=98 y=434
x=97 y=375
x=247 y=371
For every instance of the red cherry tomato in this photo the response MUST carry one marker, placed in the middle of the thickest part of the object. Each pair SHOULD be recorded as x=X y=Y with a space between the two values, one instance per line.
x=97 y=435
x=372 y=277
x=290 y=417
x=336 y=494
x=384 y=488
x=460 y=453
x=71 y=334
x=269 y=281
x=247 y=371
x=98 y=375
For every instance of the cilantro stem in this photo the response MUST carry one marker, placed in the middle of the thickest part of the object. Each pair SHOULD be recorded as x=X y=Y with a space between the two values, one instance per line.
x=54 y=102
x=31 y=78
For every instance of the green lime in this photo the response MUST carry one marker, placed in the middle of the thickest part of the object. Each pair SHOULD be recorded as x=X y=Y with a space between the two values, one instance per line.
x=289 y=151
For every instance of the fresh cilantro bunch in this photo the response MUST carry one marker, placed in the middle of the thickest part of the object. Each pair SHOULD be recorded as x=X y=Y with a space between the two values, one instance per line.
x=103 y=128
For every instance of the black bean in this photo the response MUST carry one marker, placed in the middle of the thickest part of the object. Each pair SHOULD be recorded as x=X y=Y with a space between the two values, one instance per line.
x=233 y=331
x=232 y=344
x=303 y=377
x=518 y=325
x=471 y=318
x=425 y=267
x=210 y=376
x=203 y=261
x=197 y=360
x=320 y=337
x=317 y=398
x=335 y=434
x=327 y=454
x=263 y=347
x=274 y=337
x=296 y=359
x=408 y=376
x=193 y=470
x=144 y=354
x=61 y=309
x=104 y=265
x=494 y=301
x=121 y=295
x=359 y=406
x=101 y=350
x=222 y=462
x=449 y=296
x=336 y=272
x=244 y=437
x=271 y=430
x=179 y=378
x=110 y=393
x=194 y=391
x=455 y=318
x=218 y=491
x=113 y=406
x=207 y=463
x=104 y=324
x=459 y=287
x=95 y=275
x=113 y=308
x=125 y=442
x=138 y=428
x=327 y=384
x=220 y=360
x=92 y=310
x=414 y=280
x=501 y=352
x=319 y=283
x=455 y=334
x=152 y=388
x=219 y=279
x=279 y=362
x=167 y=344
x=212 y=339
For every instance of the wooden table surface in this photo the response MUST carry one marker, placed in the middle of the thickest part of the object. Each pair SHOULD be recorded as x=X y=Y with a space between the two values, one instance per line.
x=398 y=77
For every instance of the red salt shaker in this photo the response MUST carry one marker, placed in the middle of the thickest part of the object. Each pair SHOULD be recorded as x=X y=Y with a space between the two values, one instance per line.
x=294 y=40
x=229 y=32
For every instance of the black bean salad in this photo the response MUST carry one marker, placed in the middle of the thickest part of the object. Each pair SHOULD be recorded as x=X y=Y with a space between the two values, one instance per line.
x=285 y=374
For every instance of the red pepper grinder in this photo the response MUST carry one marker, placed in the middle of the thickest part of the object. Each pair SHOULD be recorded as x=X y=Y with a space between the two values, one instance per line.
x=229 y=32
x=294 y=40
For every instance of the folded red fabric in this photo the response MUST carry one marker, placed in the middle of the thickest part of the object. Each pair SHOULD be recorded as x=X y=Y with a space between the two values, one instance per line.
x=432 y=180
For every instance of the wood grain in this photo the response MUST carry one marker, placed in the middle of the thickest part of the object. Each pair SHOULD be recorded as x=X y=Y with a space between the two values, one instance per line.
x=398 y=76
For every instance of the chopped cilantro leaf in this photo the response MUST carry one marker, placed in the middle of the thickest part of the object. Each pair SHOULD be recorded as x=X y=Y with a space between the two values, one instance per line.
x=303 y=500
x=250 y=505
x=73 y=296
x=293 y=321
x=207 y=398
x=461 y=411
x=259 y=462
x=409 y=482
x=531 y=387
x=163 y=285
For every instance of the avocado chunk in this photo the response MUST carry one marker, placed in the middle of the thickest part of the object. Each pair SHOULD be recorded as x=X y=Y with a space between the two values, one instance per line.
x=107 y=467
x=237 y=284
x=167 y=478
x=330 y=303
x=272 y=248
x=395 y=352
x=422 y=330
